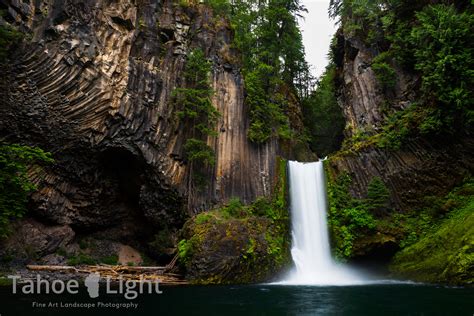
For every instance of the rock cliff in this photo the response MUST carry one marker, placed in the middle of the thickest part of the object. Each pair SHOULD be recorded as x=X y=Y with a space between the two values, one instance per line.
x=92 y=84
x=424 y=169
x=421 y=167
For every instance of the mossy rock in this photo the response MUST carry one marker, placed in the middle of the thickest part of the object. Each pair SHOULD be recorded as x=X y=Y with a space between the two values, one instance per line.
x=231 y=250
x=445 y=255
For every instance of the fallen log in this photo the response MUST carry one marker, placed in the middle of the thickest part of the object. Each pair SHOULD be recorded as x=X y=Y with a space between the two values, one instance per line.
x=118 y=272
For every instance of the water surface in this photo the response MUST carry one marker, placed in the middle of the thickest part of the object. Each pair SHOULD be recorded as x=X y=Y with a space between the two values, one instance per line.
x=386 y=299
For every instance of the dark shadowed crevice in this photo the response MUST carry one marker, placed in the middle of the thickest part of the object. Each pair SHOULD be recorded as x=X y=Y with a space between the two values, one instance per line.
x=120 y=166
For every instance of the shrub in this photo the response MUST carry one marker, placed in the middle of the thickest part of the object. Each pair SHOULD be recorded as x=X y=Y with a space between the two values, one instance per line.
x=198 y=150
x=377 y=194
x=8 y=38
x=111 y=260
x=234 y=208
x=196 y=112
x=15 y=186
x=349 y=218
x=384 y=72
x=444 y=55
x=81 y=259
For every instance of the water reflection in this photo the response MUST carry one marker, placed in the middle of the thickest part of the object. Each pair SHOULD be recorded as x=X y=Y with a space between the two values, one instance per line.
x=396 y=299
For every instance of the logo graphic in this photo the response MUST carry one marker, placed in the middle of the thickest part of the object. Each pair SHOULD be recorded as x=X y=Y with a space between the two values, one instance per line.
x=130 y=289
x=92 y=284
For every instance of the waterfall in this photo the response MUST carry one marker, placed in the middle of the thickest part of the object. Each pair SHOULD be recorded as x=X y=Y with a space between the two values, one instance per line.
x=311 y=250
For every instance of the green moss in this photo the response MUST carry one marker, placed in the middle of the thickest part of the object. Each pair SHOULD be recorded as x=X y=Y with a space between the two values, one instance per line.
x=111 y=260
x=81 y=259
x=436 y=241
x=203 y=218
x=397 y=129
x=446 y=251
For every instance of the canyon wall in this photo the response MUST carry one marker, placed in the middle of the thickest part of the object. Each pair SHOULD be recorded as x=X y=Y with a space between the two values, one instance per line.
x=422 y=166
x=92 y=83
x=93 y=86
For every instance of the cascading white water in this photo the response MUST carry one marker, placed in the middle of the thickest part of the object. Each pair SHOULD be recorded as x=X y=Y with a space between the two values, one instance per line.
x=311 y=251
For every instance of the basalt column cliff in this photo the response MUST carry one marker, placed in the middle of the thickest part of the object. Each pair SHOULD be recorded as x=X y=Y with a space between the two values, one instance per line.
x=92 y=83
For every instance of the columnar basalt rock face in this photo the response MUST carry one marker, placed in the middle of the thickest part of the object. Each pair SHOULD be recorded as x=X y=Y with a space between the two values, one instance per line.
x=362 y=98
x=93 y=86
x=421 y=167
x=419 y=170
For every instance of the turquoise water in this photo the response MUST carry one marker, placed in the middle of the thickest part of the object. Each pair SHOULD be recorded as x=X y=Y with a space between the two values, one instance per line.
x=393 y=299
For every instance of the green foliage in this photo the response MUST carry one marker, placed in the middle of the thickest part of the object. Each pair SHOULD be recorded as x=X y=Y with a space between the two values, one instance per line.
x=266 y=113
x=384 y=72
x=184 y=3
x=235 y=223
x=273 y=64
x=322 y=115
x=81 y=259
x=349 y=218
x=440 y=45
x=250 y=249
x=186 y=249
x=360 y=18
x=196 y=111
x=262 y=207
x=430 y=40
x=234 y=208
x=15 y=186
x=8 y=38
x=413 y=121
x=198 y=150
x=377 y=194
x=444 y=56
x=203 y=218
x=280 y=198
x=420 y=223
x=111 y=260
x=5 y=281
x=221 y=7
x=443 y=252
x=436 y=241
x=194 y=101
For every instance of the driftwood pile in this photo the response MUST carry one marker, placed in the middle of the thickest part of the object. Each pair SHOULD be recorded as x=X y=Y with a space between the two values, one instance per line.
x=120 y=272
